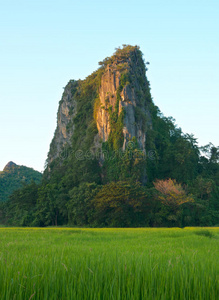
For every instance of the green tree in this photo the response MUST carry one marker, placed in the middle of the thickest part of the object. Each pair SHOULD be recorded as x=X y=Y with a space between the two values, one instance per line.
x=122 y=204
x=79 y=206
x=20 y=208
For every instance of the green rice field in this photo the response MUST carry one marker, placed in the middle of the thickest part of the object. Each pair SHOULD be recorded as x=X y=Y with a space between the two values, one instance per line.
x=120 y=264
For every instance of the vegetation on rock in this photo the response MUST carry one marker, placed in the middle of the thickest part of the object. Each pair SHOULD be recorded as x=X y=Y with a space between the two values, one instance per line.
x=145 y=172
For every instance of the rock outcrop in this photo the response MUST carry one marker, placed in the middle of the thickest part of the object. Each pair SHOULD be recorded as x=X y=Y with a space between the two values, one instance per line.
x=123 y=88
x=9 y=166
x=66 y=112
x=128 y=68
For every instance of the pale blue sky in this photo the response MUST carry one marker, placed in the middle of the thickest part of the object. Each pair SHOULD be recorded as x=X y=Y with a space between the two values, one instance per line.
x=44 y=44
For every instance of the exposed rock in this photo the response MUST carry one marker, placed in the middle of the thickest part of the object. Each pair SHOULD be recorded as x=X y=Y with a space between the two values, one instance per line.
x=66 y=112
x=123 y=78
x=107 y=94
x=110 y=83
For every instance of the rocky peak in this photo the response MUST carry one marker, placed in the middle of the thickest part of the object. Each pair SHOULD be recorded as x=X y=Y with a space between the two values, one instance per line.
x=9 y=166
x=120 y=105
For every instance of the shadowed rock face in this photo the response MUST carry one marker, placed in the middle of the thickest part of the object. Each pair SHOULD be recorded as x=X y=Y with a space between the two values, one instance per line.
x=66 y=112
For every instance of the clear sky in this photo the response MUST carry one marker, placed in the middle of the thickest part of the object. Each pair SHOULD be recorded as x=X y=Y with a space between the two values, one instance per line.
x=44 y=44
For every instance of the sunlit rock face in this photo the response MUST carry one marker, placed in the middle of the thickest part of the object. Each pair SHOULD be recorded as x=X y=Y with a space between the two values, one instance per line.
x=130 y=93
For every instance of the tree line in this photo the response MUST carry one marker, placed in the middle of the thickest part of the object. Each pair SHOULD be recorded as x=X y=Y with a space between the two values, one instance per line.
x=182 y=188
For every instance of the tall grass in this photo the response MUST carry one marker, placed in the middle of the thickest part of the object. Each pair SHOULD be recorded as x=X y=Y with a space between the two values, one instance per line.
x=106 y=264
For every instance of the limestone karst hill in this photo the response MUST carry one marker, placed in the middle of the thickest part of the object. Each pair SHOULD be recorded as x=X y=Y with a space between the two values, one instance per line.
x=14 y=176
x=105 y=113
x=116 y=161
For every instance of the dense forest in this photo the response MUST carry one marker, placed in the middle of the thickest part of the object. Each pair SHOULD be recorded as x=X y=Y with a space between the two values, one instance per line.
x=170 y=181
x=14 y=177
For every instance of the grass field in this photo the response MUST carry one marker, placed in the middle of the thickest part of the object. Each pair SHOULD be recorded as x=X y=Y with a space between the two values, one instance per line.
x=66 y=263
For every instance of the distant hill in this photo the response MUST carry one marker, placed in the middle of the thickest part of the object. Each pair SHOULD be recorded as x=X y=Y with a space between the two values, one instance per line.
x=14 y=176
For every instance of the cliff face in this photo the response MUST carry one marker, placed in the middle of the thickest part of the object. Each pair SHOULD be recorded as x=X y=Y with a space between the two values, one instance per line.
x=122 y=96
x=66 y=112
x=120 y=85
